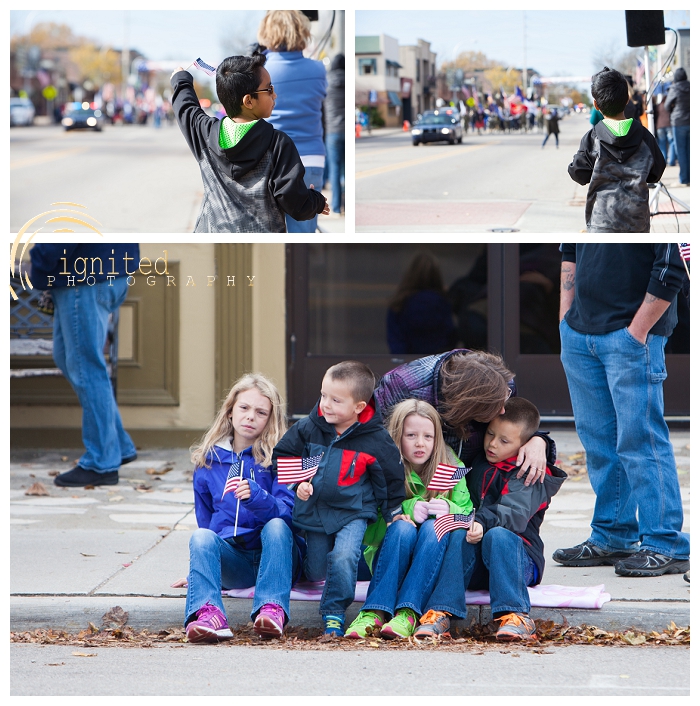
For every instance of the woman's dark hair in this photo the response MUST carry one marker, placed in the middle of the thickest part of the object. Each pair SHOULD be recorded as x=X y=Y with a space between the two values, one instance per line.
x=423 y=274
x=473 y=387
x=680 y=75
x=610 y=90
x=236 y=77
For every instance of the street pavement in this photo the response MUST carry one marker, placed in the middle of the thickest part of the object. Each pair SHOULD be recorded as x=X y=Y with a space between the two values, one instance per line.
x=224 y=670
x=132 y=179
x=502 y=182
x=76 y=552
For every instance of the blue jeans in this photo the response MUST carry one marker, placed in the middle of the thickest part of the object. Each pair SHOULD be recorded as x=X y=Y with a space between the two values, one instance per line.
x=334 y=557
x=425 y=568
x=556 y=137
x=664 y=136
x=498 y=563
x=79 y=333
x=616 y=389
x=335 y=150
x=391 y=566
x=216 y=563
x=681 y=137
x=313 y=175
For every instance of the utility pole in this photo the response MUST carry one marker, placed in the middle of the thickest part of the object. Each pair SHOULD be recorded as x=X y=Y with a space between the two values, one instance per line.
x=125 y=55
x=524 y=56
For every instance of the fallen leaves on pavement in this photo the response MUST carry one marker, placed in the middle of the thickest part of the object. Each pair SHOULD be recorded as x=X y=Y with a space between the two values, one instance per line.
x=37 y=488
x=116 y=633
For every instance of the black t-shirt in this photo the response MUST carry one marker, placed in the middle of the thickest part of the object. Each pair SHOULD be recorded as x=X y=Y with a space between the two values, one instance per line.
x=613 y=279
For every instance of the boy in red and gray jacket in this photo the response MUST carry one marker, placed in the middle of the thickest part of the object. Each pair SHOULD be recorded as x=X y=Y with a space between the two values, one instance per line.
x=503 y=552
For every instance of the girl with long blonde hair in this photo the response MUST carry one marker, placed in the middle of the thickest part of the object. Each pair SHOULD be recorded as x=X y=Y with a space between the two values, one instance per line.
x=245 y=536
x=410 y=554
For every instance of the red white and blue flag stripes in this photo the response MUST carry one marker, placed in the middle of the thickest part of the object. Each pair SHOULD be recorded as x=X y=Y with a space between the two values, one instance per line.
x=446 y=477
x=233 y=479
x=684 y=249
x=449 y=523
x=294 y=469
x=203 y=66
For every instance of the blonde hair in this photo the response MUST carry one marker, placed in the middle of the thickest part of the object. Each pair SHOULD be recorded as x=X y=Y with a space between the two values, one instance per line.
x=284 y=30
x=474 y=387
x=394 y=424
x=222 y=427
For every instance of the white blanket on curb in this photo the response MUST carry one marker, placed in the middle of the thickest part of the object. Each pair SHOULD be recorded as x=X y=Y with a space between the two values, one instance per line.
x=542 y=596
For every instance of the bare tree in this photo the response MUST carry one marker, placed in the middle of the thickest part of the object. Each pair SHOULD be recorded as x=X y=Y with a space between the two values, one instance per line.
x=615 y=56
x=238 y=38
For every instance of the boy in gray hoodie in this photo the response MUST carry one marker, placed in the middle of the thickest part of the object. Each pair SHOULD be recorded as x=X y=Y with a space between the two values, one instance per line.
x=618 y=157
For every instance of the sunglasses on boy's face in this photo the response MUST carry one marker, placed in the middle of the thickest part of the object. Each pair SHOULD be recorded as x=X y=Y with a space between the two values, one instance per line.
x=269 y=90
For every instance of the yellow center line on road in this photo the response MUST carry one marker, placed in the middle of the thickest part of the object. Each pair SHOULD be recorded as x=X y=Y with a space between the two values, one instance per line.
x=420 y=160
x=47 y=157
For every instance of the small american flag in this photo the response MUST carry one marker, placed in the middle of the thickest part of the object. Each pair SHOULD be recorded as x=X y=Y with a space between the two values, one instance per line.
x=294 y=469
x=233 y=478
x=446 y=477
x=448 y=523
x=202 y=66
x=684 y=249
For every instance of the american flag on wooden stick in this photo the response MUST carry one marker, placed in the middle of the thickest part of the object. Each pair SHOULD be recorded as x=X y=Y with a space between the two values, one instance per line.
x=294 y=469
x=203 y=66
x=233 y=479
x=446 y=477
x=448 y=523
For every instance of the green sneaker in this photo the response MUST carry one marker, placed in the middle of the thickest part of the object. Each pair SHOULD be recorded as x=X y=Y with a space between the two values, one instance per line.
x=363 y=624
x=401 y=625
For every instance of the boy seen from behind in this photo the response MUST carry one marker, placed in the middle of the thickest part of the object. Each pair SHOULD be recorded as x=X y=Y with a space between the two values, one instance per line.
x=503 y=552
x=618 y=157
x=252 y=174
x=359 y=469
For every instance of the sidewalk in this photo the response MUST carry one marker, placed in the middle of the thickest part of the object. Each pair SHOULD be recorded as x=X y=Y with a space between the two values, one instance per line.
x=76 y=553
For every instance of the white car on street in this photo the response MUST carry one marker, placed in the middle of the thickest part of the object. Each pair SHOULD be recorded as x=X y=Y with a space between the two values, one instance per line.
x=21 y=111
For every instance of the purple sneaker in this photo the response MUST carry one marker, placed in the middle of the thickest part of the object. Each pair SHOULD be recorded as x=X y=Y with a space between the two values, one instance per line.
x=210 y=625
x=270 y=621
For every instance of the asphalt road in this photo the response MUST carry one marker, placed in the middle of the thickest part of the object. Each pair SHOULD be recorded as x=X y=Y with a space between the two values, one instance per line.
x=132 y=179
x=490 y=181
x=499 y=670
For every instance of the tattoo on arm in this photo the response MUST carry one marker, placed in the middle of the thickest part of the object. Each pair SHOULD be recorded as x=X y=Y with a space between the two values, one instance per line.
x=568 y=278
x=650 y=298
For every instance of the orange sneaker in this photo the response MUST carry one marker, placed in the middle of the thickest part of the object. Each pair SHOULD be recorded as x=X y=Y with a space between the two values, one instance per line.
x=433 y=624
x=516 y=626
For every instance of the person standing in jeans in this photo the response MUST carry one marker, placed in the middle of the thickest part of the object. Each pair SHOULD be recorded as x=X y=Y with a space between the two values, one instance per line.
x=300 y=84
x=618 y=308
x=664 y=132
x=335 y=131
x=87 y=283
x=678 y=104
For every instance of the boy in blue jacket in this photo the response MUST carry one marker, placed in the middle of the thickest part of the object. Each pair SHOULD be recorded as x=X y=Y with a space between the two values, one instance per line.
x=359 y=470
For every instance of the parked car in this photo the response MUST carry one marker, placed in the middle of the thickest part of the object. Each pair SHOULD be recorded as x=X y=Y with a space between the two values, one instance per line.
x=437 y=126
x=21 y=111
x=83 y=115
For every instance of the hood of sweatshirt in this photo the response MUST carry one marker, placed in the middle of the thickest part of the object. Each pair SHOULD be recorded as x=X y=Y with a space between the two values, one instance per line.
x=621 y=148
x=245 y=155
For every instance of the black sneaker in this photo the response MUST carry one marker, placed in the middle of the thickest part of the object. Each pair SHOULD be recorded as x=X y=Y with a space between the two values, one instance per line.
x=79 y=477
x=648 y=563
x=588 y=554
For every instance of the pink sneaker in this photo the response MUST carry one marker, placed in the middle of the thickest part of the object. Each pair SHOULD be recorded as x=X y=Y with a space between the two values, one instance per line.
x=270 y=621
x=210 y=625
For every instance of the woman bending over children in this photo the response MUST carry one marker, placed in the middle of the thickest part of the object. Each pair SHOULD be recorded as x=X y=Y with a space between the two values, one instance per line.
x=245 y=534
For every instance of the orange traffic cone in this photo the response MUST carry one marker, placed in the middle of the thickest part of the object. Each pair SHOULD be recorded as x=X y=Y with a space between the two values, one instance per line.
x=406 y=126
x=358 y=130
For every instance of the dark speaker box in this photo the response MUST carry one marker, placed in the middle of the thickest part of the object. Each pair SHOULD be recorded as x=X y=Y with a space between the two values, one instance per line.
x=645 y=28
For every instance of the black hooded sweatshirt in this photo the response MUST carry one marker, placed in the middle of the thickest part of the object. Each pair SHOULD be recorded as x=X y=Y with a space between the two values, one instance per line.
x=618 y=170
x=249 y=187
x=678 y=103
x=359 y=471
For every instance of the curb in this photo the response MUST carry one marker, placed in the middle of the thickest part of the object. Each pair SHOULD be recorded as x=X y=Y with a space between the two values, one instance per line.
x=73 y=613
